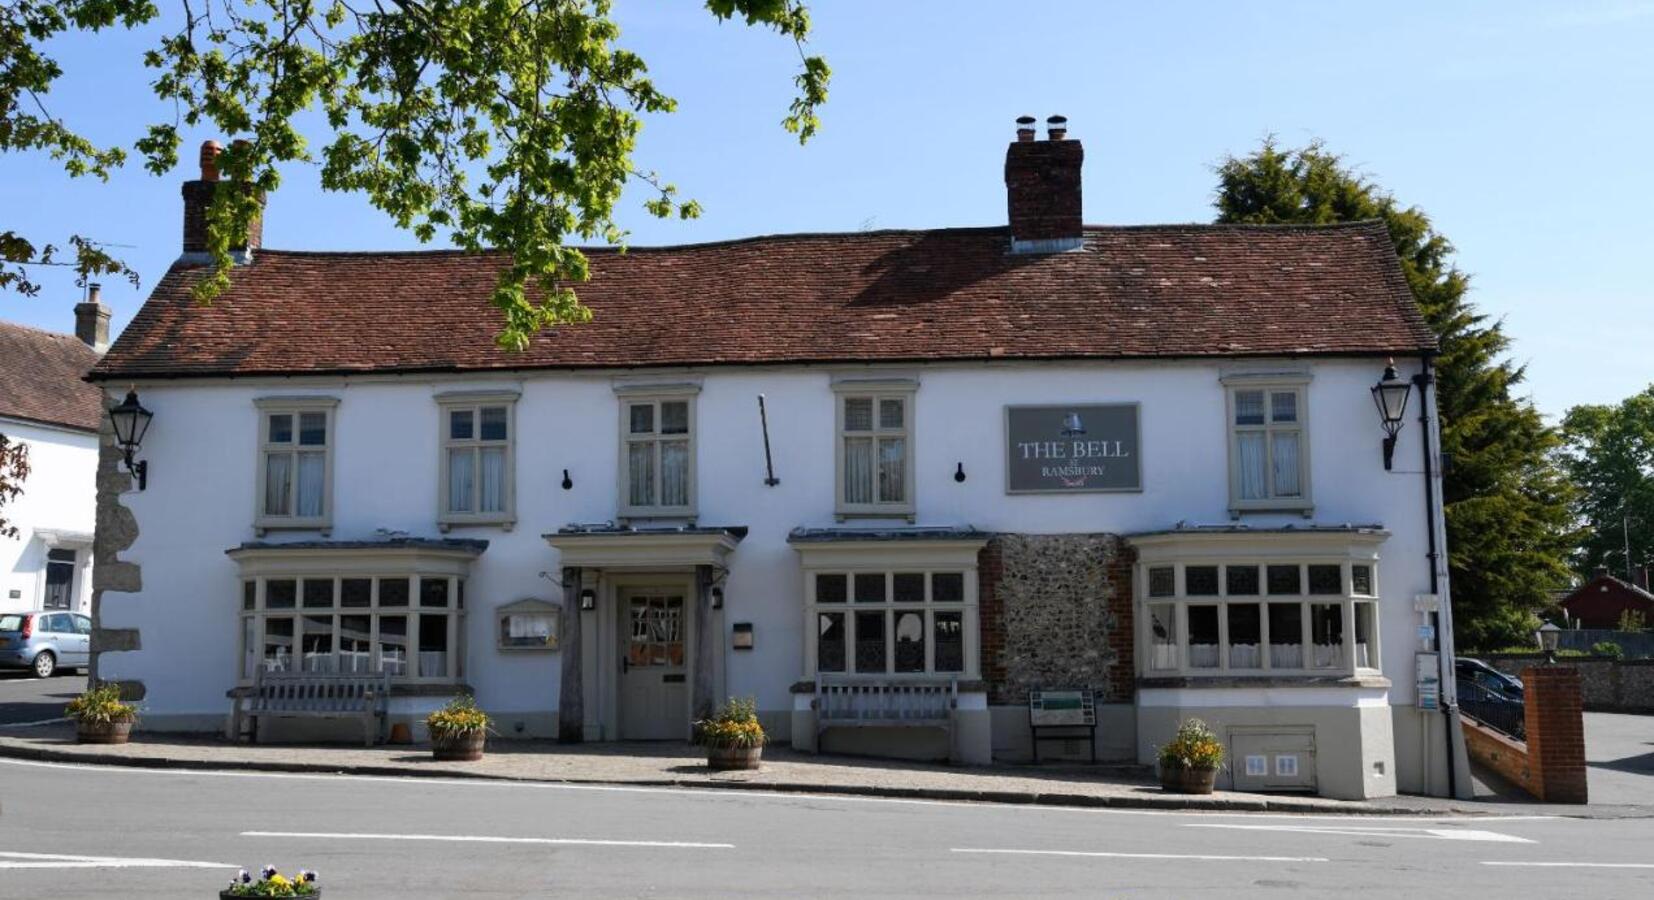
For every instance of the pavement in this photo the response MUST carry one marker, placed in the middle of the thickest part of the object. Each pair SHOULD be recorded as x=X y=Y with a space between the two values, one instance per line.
x=672 y=764
x=75 y=832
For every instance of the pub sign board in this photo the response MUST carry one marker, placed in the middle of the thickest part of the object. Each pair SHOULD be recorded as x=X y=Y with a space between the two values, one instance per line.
x=1071 y=449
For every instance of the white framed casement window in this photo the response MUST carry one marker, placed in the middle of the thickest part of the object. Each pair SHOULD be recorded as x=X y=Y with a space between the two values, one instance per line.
x=1268 y=443
x=657 y=450
x=478 y=464
x=295 y=463
x=1259 y=615
x=410 y=626
x=910 y=620
x=874 y=456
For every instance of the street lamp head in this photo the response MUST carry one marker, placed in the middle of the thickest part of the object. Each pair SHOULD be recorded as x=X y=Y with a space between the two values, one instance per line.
x=1390 y=396
x=131 y=422
x=1549 y=636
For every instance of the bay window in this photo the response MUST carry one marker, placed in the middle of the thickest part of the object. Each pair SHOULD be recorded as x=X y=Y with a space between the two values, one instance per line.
x=352 y=624
x=295 y=463
x=341 y=608
x=478 y=480
x=891 y=622
x=1252 y=615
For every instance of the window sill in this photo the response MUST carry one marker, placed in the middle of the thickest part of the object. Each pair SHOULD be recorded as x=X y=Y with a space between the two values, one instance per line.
x=1331 y=679
x=447 y=523
x=657 y=512
x=878 y=512
x=325 y=526
x=1255 y=507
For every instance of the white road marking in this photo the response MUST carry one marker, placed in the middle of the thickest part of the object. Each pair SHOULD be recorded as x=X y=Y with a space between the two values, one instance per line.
x=1388 y=831
x=34 y=723
x=10 y=859
x=486 y=839
x=758 y=794
x=1104 y=855
x=1574 y=865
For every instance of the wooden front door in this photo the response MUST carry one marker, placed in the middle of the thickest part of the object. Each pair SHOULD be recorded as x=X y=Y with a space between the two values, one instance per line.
x=654 y=666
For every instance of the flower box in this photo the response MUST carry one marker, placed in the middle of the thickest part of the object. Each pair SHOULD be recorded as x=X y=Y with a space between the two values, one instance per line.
x=118 y=732
x=1188 y=779
x=461 y=748
x=730 y=758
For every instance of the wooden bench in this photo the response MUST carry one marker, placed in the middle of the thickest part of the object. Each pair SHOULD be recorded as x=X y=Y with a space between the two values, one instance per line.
x=316 y=696
x=871 y=702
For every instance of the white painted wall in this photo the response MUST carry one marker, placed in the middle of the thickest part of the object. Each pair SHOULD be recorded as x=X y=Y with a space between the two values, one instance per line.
x=201 y=450
x=58 y=500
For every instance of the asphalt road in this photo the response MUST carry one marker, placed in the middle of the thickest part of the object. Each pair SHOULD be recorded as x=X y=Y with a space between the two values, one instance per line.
x=25 y=698
x=72 y=832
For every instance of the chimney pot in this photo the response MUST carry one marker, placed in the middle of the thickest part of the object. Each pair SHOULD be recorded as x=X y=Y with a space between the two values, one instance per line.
x=1056 y=127
x=198 y=197
x=209 y=160
x=1025 y=128
x=92 y=319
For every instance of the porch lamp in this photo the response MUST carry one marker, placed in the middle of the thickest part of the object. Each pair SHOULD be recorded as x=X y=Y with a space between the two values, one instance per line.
x=1390 y=396
x=131 y=421
x=1548 y=635
x=588 y=599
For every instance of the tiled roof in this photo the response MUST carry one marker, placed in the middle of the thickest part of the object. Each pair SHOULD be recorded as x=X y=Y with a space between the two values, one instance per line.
x=952 y=294
x=41 y=376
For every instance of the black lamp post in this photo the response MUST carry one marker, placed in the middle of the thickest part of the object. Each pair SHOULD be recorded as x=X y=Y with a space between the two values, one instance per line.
x=1390 y=396
x=131 y=421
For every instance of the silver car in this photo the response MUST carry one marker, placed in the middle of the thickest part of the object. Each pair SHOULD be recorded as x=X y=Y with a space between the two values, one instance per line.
x=45 y=641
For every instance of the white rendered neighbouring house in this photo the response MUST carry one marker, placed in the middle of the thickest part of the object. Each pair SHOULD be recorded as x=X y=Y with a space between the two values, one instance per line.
x=46 y=404
x=1139 y=461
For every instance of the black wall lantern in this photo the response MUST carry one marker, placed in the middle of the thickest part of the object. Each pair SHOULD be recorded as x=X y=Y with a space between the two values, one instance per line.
x=717 y=597
x=1390 y=396
x=588 y=599
x=131 y=421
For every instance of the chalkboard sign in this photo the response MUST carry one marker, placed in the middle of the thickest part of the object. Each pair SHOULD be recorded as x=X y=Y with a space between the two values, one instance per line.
x=1069 y=449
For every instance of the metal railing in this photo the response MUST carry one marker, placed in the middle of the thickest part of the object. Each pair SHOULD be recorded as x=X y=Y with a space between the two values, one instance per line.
x=1493 y=709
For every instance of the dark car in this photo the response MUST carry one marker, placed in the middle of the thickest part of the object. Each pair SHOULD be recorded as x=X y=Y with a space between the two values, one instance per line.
x=44 y=642
x=1480 y=673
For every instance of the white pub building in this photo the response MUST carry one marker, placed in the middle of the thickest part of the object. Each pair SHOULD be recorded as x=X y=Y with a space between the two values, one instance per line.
x=891 y=484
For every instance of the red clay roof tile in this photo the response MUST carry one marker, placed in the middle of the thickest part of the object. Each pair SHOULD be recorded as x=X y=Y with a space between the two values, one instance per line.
x=951 y=294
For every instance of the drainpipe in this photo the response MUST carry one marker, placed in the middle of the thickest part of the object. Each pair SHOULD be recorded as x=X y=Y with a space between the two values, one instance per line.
x=1435 y=531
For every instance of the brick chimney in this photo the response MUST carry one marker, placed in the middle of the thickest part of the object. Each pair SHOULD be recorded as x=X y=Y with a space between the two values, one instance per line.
x=92 y=319
x=198 y=195
x=1042 y=188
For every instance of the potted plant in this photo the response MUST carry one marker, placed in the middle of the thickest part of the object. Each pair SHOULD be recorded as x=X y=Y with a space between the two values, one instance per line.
x=271 y=883
x=458 y=730
x=732 y=737
x=100 y=716
x=1189 y=763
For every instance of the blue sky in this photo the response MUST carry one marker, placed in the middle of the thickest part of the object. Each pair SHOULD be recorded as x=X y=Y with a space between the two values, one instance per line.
x=1524 y=129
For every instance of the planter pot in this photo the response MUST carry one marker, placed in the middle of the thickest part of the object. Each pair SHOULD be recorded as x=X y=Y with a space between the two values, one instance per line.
x=103 y=732
x=226 y=895
x=465 y=748
x=726 y=758
x=1181 y=780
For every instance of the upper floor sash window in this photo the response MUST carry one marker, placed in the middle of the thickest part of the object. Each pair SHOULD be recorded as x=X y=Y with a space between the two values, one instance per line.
x=1268 y=443
x=875 y=447
x=478 y=465
x=657 y=450
x=295 y=463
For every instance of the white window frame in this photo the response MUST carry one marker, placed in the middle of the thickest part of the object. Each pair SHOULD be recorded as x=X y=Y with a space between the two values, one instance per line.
x=1346 y=600
x=655 y=394
x=876 y=390
x=850 y=558
x=474 y=402
x=1269 y=384
x=294 y=406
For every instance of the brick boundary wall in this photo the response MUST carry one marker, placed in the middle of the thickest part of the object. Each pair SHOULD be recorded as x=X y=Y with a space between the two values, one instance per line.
x=1551 y=765
x=1608 y=685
